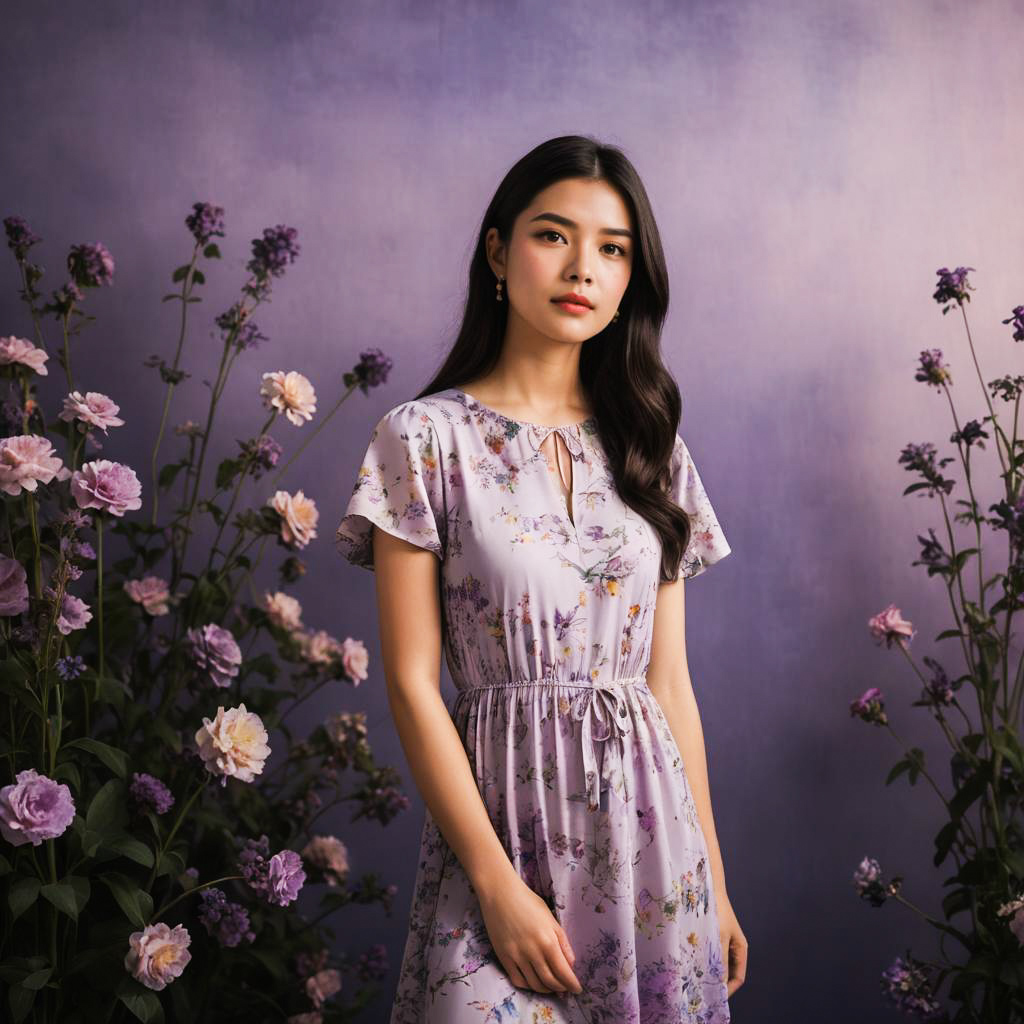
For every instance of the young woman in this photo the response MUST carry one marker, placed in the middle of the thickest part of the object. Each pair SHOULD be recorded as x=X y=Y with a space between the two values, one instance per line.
x=537 y=513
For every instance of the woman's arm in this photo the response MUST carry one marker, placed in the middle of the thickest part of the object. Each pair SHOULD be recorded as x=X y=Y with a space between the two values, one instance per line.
x=669 y=679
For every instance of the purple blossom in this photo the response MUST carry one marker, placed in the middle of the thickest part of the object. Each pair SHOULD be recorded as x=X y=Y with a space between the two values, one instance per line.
x=938 y=690
x=932 y=369
x=271 y=254
x=205 y=221
x=215 y=650
x=34 y=808
x=70 y=667
x=953 y=286
x=91 y=266
x=1017 y=319
x=74 y=518
x=20 y=237
x=869 y=707
x=906 y=984
x=248 y=335
x=227 y=922
x=74 y=612
x=373 y=368
x=276 y=879
x=13 y=587
x=65 y=297
x=970 y=433
x=108 y=486
x=150 y=794
x=867 y=880
x=264 y=452
x=920 y=458
x=933 y=554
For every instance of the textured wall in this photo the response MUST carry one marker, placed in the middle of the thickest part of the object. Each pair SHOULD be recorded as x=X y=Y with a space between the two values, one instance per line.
x=810 y=164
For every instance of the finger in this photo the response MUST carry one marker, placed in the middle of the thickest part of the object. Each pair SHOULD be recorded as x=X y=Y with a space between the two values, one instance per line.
x=531 y=977
x=514 y=974
x=563 y=941
x=563 y=968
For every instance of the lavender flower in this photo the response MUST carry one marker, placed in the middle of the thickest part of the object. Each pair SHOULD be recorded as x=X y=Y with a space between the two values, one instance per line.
x=227 y=922
x=74 y=612
x=70 y=667
x=215 y=650
x=248 y=335
x=869 y=707
x=13 y=587
x=20 y=237
x=867 y=880
x=272 y=253
x=373 y=368
x=276 y=879
x=932 y=370
x=91 y=266
x=205 y=221
x=953 y=286
x=921 y=458
x=1018 y=323
x=906 y=985
x=150 y=794
x=34 y=808
x=108 y=486
x=970 y=433
x=264 y=452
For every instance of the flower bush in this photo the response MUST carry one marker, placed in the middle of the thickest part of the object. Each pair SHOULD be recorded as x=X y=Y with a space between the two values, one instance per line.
x=161 y=845
x=978 y=709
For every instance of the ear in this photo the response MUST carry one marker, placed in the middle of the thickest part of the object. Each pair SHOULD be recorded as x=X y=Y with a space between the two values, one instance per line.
x=495 y=251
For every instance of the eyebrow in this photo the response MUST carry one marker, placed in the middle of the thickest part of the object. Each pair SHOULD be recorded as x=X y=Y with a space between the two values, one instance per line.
x=559 y=219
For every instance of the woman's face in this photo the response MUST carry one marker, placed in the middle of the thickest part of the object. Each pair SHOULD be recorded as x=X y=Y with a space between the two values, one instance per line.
x=576 y=236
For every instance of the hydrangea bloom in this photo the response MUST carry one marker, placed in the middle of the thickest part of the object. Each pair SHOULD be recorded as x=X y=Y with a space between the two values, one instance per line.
x=34 y=808
x=93 y=409
x=27 y=460
x=290 y=393
x=108 y=486
x=22 y=351
x=150 y=794
x=13 y=587
x=299 y=517
x=233 y=744
x=158 y=954
x=373 y=368
x=151 y=592
x=215 y=651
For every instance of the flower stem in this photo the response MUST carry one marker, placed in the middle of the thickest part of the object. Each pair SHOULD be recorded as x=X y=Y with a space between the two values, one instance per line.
x=188 y=892
x=99 y=588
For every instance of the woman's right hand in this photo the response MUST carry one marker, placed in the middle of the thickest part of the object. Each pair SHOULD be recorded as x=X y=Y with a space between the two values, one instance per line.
x=530 y=943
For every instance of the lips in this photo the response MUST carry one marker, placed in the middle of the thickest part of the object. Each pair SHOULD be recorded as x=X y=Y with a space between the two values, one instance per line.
x=578 y=300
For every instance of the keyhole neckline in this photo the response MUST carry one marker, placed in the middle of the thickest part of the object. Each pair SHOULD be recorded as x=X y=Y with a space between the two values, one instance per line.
x=524 y=423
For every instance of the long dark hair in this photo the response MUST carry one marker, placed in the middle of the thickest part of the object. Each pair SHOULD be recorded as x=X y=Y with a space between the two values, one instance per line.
x=633 y=396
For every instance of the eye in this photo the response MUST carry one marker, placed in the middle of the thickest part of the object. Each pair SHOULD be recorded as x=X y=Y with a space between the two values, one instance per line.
x=550 y=231
x=614 y=245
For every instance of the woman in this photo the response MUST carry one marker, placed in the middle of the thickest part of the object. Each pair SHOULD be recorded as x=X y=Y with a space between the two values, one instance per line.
x=537 y=512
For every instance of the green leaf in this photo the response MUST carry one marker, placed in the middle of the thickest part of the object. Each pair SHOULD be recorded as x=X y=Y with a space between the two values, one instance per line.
x=171 y=863
x=69 y=770
x=198 y=277
x=211 y=252
x=20 y=1000
x=116 y=760
x=22 y=895
x=168 y=474
x=37 y=979
x=136 y=903
x=144 y=1005
x=179 y=273
x=131 y=848
x=5 y=865
x=107 y=813
x=227 y=471
x=69 y=896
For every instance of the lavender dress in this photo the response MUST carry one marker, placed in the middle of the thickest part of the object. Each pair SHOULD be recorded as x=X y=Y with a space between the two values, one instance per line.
x=547 y=620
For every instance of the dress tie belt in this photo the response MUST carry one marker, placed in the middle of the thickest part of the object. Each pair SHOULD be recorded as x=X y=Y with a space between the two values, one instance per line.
x=603 y=710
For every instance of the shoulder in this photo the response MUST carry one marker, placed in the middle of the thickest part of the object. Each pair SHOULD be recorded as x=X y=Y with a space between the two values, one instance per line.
x=438 y=414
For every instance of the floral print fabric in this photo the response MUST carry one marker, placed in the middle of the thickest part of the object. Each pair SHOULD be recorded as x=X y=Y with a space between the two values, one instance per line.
x=547 y=615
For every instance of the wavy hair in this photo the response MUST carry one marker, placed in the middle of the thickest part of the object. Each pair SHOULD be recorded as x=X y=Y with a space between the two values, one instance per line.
x=635 y=400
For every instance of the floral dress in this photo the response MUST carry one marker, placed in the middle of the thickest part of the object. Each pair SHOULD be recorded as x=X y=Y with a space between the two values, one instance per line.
x=547 y=614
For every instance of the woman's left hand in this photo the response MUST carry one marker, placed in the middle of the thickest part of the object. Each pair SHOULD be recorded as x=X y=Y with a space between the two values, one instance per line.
x=734 y=943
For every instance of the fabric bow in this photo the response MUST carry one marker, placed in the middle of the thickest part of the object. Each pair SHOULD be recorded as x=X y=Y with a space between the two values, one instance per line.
x=604 y=712
x=538 y=435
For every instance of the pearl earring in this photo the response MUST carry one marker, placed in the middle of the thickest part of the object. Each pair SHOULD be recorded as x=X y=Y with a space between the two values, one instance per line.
x=616 y=316
x=498 y=297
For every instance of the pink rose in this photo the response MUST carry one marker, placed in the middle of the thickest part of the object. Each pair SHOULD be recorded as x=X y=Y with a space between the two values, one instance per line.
x=34 y=808
x=889 y=626
x=151 y=592
x=93 y=409
x=158 y=954
x=355 y=657
x=21 y=350
x=322 y=985
x=27 y=460
x=330 y=855
x=109 y=486
x=13 y=587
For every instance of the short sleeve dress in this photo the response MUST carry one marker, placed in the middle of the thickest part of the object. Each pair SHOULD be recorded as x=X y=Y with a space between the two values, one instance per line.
x=547 y=611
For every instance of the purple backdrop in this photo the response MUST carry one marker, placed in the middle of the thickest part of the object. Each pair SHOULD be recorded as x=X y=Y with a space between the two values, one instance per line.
x=810 y=167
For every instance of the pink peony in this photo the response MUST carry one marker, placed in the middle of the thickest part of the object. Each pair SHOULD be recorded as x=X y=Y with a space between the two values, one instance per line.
x=108 y=486
x=291 y=393
x=93 y=409
x=299 y=517
x=355 y=657
x=74 y=614
x=151 y=592
x=319 y=648
x=283 y=610
x=215 y=650
x=322 y=985
x=158 y=954
x=27 y=460
x=233 y=744
x=34 y=808
x=330 y=855
x=21 y=350
x=889 y=626
x=13 y=587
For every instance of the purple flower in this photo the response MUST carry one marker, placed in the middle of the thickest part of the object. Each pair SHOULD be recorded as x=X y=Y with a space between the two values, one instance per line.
x=264 y=452
x=74 y=612
x=932 y=370
x=970 y=433
x=227 y=922
x=34 y=808
x=109 y=486
x=20 y=237
x=215 y=650
x=248 y=335
x=953 y=286
x=272 y=253
x=91 y=266
x=870 y=707
x=1017 y=319
x=920 y=458
x=867 y=880
x=205 y=221
x=70 y=667
x=938 y=690
x=150 y=794
x=276 y=879
x=906 y=985
x=373 y=368
x=13 y=587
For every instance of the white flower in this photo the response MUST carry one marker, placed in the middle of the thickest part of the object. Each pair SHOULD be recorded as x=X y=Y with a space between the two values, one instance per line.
x=299 y=517
x=234 y=743
x=291 y=393
x=283 y=610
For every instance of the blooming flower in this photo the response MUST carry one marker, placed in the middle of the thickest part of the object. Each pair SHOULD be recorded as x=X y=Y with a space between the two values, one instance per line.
x=27 y=460
x=227 y=922
x=233 y=744
x=20 y=237
x=282 y=610
x=870 y=707
x=205 y=221
x=74 y=614
x=319 y=648
x=1014 y=910
x=322 y=985
x=70 y=667
x=13 y=587
x=109 y=486
x=150 y=794
x=355 y=658
x=932 y=369
x=953 y=286
x=91 y=266
x=263 y=452
x=276 y=879
x=373 y=368
x=889 y=626
x=1017 y=319
x=290 y=393
x=34 y=808
x=272 y=253
x=151 y=592
x=906 y=985
x=215 y=650
x=93 y=409
x=299 y=517
x=21 y=350
x=867 y=880
x=158 y=954
x=330 y=856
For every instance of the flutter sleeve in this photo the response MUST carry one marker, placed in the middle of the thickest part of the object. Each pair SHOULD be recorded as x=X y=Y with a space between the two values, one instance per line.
x=399 y=488
x=707 y=540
